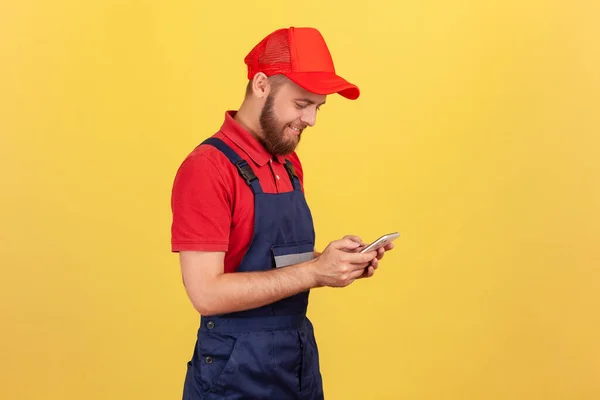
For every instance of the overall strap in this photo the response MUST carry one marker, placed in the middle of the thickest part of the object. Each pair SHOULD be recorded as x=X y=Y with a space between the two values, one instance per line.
x=292 y=173
x=242 y=166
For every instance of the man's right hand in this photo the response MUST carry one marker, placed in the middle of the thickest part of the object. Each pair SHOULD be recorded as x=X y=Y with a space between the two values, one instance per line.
x=340 y=264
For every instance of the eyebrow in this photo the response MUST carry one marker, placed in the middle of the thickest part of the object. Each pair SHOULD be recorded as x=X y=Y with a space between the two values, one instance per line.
x=309 y=101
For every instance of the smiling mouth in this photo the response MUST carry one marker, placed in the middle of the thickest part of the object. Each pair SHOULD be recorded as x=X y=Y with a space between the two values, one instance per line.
x=295 y=130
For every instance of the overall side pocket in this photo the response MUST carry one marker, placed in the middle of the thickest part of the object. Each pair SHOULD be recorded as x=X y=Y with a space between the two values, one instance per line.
x=301 y=368
x=216 y=356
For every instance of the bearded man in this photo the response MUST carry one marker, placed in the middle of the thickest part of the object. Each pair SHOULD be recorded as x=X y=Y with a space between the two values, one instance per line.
x=245 y=235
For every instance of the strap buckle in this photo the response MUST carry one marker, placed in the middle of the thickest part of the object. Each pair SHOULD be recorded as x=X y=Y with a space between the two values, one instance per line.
x=245 y=171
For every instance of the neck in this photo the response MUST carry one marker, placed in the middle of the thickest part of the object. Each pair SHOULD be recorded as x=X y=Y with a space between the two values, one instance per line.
x=246 y=116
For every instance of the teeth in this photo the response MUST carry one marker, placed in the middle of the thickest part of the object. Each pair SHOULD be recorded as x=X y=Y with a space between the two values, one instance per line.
x=294 y=128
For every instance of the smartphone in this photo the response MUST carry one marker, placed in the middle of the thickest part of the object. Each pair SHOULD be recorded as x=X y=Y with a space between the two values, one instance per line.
x=382 y=241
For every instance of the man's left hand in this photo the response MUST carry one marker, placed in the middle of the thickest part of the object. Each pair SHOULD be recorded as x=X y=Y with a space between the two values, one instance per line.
x=370 y=270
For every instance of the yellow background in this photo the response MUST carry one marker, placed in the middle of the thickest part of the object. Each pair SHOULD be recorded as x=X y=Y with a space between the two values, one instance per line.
x=476 y=137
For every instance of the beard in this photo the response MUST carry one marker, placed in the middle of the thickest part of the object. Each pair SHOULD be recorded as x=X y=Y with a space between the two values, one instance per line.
x=274 y=138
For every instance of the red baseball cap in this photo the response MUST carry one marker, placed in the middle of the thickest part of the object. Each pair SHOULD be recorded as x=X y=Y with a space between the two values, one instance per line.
x=300 y=54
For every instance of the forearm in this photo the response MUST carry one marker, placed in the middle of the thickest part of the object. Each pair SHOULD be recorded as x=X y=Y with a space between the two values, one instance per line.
x=240 y=291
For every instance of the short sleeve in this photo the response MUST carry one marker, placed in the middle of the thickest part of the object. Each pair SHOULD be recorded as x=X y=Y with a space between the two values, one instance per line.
x=201 y=207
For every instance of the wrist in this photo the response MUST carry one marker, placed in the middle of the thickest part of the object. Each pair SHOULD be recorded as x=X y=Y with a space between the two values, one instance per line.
x=306 y=273
x=312 y=268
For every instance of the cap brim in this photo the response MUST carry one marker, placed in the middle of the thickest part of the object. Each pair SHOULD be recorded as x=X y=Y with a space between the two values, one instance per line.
x=324 y=83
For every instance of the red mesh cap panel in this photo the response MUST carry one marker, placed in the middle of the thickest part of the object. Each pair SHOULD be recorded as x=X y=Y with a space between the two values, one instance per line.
x=271 y=56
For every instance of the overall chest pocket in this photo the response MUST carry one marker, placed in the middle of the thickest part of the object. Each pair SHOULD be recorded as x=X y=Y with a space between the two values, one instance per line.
x=292 y=253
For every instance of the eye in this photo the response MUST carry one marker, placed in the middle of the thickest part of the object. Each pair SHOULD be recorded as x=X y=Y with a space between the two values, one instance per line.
x=301 y=105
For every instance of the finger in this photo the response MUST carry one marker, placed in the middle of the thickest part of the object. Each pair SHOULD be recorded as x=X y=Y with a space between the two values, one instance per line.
x=380 y=253
x=367 y=273
x=359 y=267
x=364 y=274
x=359 y=273
x=375 y=263
x=354 y=238
x=345 y=244
x=362 y=258
x=356 y=266
x=389 y=246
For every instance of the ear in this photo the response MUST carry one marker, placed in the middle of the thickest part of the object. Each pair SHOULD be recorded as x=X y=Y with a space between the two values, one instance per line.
x=260 y=85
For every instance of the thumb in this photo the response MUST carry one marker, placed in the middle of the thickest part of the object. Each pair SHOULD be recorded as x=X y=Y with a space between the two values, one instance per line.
x=354 y=238
x=345 y=244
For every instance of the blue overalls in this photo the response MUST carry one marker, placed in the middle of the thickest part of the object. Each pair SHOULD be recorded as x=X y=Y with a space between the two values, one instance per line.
x=268 y=352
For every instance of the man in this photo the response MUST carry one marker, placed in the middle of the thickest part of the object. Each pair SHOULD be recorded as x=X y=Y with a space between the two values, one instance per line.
x=245 y=233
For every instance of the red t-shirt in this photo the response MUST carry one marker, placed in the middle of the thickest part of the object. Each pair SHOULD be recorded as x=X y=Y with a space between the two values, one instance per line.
x=213 y=207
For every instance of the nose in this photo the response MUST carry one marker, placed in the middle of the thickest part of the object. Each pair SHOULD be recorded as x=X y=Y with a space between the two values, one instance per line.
x=309 y=116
